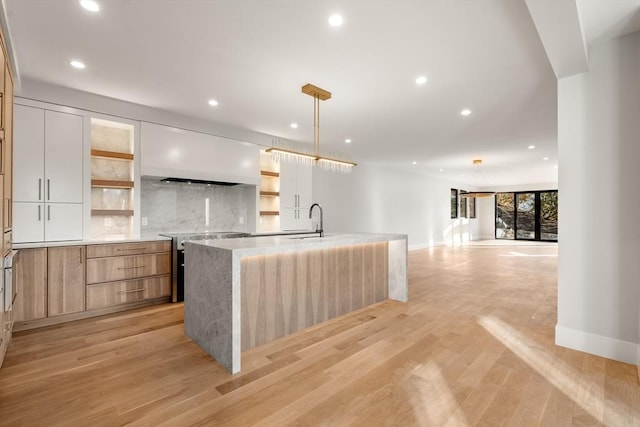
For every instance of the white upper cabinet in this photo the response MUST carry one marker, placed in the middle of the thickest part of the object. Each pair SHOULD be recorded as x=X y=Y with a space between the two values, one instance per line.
x=63 y=163
x=295 y=196
x=177 y=153
x=47 y=156
x=28 y=154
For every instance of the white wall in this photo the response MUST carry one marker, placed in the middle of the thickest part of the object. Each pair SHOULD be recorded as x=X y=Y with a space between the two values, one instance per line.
x=378 y=199
x=599 y=209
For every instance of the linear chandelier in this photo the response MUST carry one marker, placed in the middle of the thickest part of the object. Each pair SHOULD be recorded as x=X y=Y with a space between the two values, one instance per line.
x=477 y=164
x=284 y=153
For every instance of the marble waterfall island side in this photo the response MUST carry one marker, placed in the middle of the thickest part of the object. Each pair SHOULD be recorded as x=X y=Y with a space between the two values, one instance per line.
x=241 y=293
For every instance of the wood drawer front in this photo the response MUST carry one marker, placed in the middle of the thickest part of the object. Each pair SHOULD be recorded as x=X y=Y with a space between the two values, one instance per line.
x=120 y=249
x=116 y=293
x=127 y=267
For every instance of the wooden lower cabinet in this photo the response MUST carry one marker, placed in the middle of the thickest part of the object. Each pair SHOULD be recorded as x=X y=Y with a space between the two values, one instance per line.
x=66 y=286
x=115 y=293
x=63 y=283
x=31 y=285
x=127 y=267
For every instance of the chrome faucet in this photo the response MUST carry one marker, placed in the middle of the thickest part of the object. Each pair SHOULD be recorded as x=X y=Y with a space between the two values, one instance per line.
x=319 y=228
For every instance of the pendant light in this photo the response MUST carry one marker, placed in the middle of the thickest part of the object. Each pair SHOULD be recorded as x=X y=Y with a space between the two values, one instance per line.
x=477 y=165
x=283 y=152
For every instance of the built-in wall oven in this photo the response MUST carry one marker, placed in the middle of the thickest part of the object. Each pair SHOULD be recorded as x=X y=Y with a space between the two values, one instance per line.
x=177 y=244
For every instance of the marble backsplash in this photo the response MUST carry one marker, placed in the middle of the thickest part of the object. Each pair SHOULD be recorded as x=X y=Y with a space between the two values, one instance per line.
x=179 y=207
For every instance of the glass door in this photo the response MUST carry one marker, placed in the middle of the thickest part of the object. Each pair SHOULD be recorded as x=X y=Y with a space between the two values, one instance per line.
x=526 y=216
x=505 y=218
x=531 y=215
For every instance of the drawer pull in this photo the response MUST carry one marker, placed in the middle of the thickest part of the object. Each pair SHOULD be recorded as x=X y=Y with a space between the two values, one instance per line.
x=131 y=249
x=131 y=291
x=129 y=268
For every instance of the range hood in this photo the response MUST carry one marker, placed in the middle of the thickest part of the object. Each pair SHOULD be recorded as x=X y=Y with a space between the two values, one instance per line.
x=180 y=155
x=198 y=181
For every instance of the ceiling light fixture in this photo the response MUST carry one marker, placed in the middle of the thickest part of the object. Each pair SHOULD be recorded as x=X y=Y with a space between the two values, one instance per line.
x=531 y=147
x=213 y=102
x=77 y=64
x=414 y=163
x=421 y=80
x=465 y=112
x=477 y=165
x=348 y=141
x=90 y=5
x=545 y=158
x=335 y=164
x=294 y=126
x=335 y=20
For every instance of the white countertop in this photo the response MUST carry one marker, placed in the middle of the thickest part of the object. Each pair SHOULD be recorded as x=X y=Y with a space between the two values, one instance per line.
x=261 y=245
x=97 y=241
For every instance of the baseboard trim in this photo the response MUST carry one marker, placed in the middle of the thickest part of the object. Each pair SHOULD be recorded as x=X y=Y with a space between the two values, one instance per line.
x=611 y=348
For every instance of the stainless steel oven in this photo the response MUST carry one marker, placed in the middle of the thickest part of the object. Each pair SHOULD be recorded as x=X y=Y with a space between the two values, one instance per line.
x=177 y=244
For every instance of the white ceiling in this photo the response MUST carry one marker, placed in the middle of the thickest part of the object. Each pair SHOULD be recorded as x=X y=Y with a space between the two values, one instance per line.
x=253 y=57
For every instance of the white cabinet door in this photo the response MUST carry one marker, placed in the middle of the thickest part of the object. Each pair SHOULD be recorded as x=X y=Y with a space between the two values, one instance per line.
x=304 y=187
x=63 y=157
x=288 y=219
x=288 y=185
x=28 y=154
x=63 y=221
x=28 y=222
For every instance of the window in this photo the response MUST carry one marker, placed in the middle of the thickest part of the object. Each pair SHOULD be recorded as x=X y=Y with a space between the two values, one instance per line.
x=463 y=206
x=472 y=207
x=531 y=215
x=454 y=203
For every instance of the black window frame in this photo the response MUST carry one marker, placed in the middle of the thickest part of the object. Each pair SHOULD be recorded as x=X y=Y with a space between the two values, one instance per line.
x=537 y=226
x=454 y=206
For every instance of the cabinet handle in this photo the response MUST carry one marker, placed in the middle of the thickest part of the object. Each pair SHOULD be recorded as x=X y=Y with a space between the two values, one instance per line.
x=48 y=212
x=39 y=188
x=131 y=249
x=130 y=268
x=80 y=255
x=131 y=291
x=39 y=213
x=48 y=189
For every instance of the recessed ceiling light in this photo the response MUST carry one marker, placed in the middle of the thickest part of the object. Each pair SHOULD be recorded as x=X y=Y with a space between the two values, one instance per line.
x=531 y=147
x=465 y=112
x=90 y=5
x=335 y=20
x=420 y=80
x=294 y=126
x=545 y=158
x=441 y=170
x=348 y=141
x=213 y=102
x=77 y=64
x=414 y=163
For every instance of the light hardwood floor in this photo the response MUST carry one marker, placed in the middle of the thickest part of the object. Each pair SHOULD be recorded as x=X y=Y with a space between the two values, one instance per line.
x=474 y=346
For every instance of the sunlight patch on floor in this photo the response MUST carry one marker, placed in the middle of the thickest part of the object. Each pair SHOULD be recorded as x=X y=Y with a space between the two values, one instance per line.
x=562 y=376
x=520 y=254
x=432 y=400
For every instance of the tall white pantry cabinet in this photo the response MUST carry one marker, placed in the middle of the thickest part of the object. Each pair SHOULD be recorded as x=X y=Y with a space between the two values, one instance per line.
x=48 y=190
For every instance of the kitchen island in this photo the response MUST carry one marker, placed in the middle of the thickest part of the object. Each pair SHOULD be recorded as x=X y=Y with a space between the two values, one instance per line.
x=241 y=293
